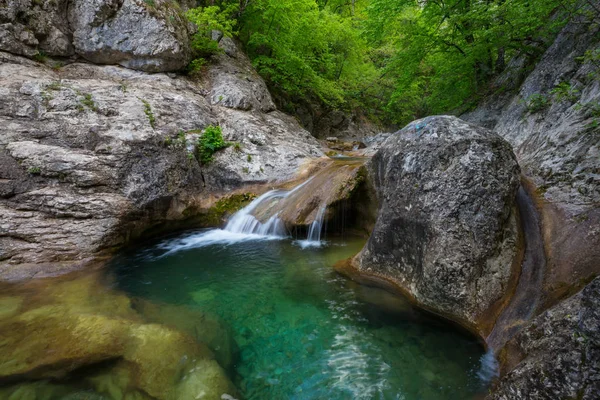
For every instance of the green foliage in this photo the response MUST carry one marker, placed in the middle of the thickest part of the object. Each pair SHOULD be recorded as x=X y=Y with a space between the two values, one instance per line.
x=436 y=57
x=87 y=101
x=150 y=3
x=396 y=60
x=34 y=170
x=591 y=110
x=537 y=103
x=304 y=49
x=149 y=113
x=209 y=143
x=41 y=57
x=564 y=91
x=195 y=66
x=249 y=158
x=207 y=20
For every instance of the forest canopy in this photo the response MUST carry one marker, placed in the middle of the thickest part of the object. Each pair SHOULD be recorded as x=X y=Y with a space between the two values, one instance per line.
x=396 y=60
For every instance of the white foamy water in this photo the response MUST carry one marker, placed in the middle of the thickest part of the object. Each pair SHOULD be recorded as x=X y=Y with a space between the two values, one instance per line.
x=244 y=226
x=214 y=236
x=489 y=368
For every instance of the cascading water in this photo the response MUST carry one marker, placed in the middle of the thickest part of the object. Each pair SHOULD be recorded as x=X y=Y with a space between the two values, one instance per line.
x=244 y=225
x=314 y=231
x=244 y=222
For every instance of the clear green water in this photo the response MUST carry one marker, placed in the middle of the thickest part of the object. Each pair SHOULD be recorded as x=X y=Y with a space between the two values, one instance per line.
x=303 y=331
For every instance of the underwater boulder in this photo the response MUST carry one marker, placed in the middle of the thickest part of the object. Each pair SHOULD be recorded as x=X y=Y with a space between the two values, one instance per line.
x=203 y=327
x=50 y=342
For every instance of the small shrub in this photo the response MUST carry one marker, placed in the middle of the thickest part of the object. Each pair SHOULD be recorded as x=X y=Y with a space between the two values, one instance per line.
x=88 y=101
x=564 y=91
x=54 y=86
x=209 y=143
x=246 y=170
x=150 y=3
x=149 y=113
x=34 y=170
x=249 y=158
x=40 y=57
x=536 y=103
x=237 y=146
x=195 y=66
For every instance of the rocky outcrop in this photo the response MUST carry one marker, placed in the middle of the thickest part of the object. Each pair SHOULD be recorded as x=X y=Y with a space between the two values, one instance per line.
x=550 y=116
x=445 y=232
x=558 y=355
x=93 y=156
x=149 y=36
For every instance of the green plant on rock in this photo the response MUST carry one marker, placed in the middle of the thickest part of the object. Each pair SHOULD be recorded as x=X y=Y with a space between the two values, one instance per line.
x=40 y=57
x=537 y=103
x=207 y=20
x=34 y=170
x=195 y=66
x=88 y=101
x=149 y=113
x=564 y=91
x=209 y=143
x=249 y=158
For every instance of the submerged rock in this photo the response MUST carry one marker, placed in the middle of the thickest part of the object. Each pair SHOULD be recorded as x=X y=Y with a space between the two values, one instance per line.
x=203 y=327
x=67 y=324
x=446 y=231
x=557 y=355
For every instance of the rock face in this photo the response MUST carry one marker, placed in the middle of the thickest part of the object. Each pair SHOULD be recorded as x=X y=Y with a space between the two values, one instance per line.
x=445 y=232
x=558 y=355
x=131 y=33
x=91 y=156
x=550 y=116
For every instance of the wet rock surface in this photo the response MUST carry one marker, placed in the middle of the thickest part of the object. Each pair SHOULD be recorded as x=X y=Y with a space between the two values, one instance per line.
x=93 y=156
x=446 y=231
x=557 y=356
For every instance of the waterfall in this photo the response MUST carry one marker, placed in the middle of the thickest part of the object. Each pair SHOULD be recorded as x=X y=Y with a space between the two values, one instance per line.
x=314 y=232
x=245 y=223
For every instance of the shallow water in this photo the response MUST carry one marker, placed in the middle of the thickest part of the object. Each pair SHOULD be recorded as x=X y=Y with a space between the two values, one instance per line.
x=303 y=331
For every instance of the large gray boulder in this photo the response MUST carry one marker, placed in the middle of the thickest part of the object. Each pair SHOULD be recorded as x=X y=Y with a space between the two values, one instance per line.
x=445 y=232
x=557 y=356
x=93 y=156
x=147 y=36
x=131 y=33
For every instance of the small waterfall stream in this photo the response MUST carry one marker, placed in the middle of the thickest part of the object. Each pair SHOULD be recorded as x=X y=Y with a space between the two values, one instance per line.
x=244 y=222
